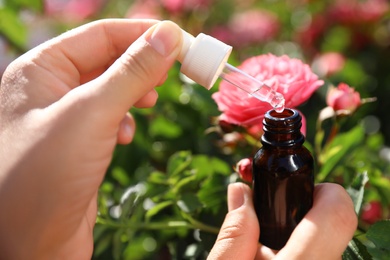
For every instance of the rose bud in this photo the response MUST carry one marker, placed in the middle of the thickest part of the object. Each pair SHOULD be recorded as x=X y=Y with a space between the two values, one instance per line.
x=343 y=98
x=372 y=212
x=244 y=169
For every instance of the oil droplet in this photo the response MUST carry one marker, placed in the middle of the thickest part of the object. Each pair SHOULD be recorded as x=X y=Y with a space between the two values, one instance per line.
x=277 y=102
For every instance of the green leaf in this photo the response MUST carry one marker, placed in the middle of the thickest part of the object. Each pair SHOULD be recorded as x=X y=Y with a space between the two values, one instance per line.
x=319 y=138
x=206 y=166
x=202 y=165
x=382 y=185
x=161 y=126
x=353 y=73
x=356 y=190
x=213 y=193
x=137 y=248
x=158 y=178
x=178 y=162
x=189 y=203
x=120 y=175
x=220 y=166
x=157 y=208
x=356 y=251
x=36 y=5
x=337 y=39
x=103 y=244
x=117 y=245
x=106 y=187
x=12 y=28
x=378 y=234
x=375 y=141
x=338 y=150
x=99 y=231
x=183 y=183
x=130 y=199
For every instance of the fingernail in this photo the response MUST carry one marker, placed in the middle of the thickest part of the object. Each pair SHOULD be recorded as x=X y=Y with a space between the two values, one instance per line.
x=128 y=130
x=164 y=38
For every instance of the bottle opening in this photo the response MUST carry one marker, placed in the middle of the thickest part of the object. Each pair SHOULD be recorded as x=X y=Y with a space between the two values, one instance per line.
x=282 y=129
x=286 y=114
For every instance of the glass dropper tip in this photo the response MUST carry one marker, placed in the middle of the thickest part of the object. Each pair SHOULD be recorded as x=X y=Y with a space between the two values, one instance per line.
x=277 y=102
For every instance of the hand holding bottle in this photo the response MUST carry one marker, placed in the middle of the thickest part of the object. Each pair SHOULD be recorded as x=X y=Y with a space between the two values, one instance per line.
x=63 y=108
x=323 y=233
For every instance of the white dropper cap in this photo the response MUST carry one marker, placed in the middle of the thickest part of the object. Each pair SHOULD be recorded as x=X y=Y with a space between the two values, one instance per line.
x=203 y=58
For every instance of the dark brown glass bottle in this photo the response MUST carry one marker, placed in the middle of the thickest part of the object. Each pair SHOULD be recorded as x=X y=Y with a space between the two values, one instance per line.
x=283 y=178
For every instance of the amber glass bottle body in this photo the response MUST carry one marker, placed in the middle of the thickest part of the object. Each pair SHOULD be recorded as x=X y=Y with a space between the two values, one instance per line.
x=283 y=178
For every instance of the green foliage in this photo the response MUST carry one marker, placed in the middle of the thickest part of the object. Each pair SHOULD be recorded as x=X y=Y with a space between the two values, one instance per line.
x=356 y=251
x=356 y=191
x=378 y=234
x=11 y=26
x=337 y=151
x=174 y=202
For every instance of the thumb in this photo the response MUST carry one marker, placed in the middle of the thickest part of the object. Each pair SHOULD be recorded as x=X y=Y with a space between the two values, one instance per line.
x=239 y=234
x=137 y=71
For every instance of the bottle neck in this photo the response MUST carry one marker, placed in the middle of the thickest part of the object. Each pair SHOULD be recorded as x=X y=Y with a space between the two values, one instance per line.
x=282 y=129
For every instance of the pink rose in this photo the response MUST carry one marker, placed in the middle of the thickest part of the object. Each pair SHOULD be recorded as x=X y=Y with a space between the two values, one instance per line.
x=73 y=9
x=288 y=76
x=179 y=6
x=253 y=26
x=358 y=12
x=250 y=27
x=143 y=9
x=343 y=98
x=328 y=63
x=244 y=169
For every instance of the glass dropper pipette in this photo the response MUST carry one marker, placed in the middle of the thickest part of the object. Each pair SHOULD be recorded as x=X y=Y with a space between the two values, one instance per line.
x=252 y=86
x=204 y=59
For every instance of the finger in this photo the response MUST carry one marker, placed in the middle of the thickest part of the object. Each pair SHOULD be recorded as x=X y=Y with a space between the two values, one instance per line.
x=148 y=100
x=327 y=228
x=265 y=253
x=162 y=80
x=86 y=51
x=69 y=60
x=126 y=129
x=239 y=234
x=135 y=73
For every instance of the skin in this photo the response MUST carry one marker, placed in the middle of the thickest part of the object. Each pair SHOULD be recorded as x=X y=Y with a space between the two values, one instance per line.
x=324 y=232
x=63 y=108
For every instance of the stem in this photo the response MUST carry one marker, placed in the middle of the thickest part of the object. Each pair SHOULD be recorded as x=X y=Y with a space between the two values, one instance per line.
x=147 y=226
x=333 y=132
x=174 y=224
x=200 y=225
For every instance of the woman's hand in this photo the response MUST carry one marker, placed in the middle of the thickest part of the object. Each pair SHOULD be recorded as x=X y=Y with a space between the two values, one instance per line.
x=323 y=233
x=63 y=108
